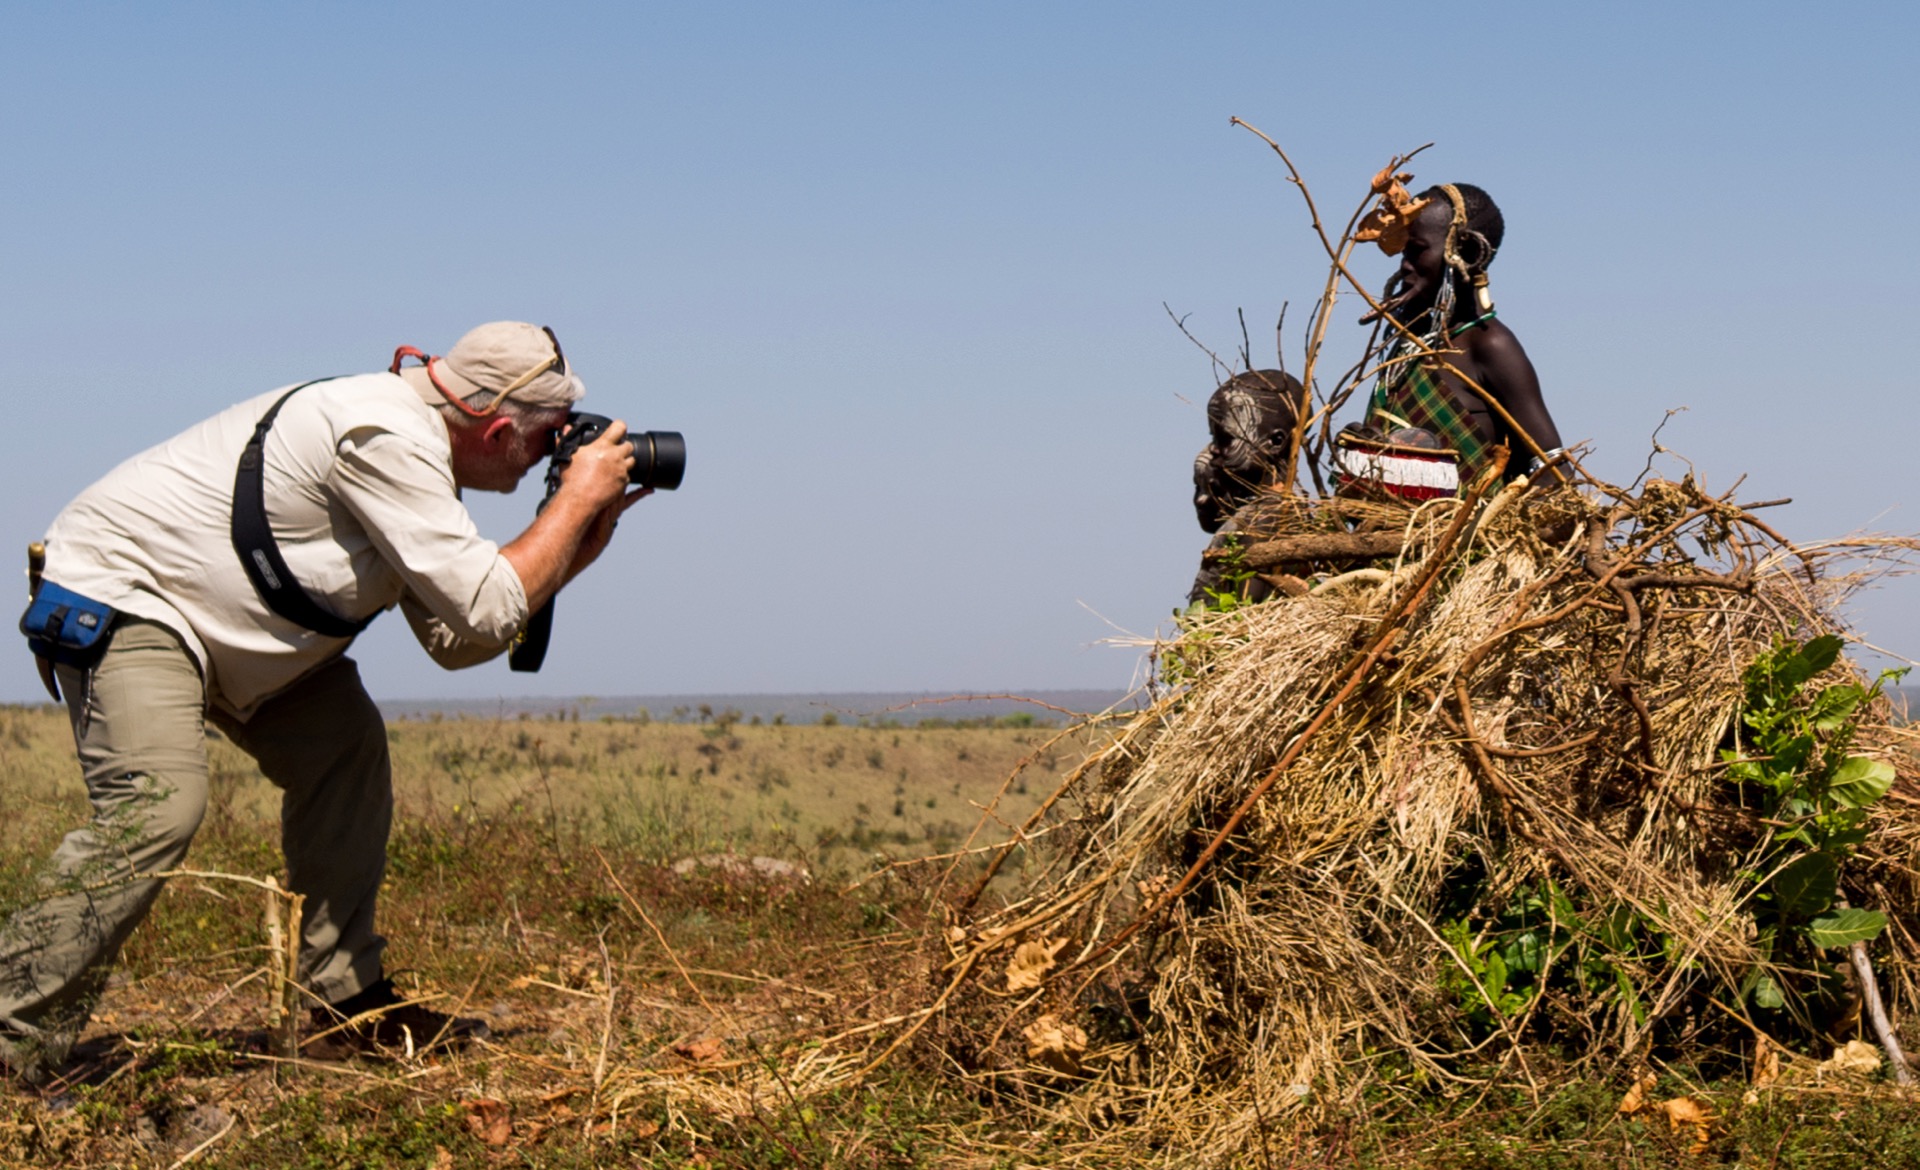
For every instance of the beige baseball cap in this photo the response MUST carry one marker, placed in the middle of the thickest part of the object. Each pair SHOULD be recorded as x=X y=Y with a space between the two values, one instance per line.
x=502 y=359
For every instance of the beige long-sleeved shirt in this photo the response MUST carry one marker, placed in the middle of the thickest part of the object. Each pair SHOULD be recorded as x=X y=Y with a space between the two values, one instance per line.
x=360 y=494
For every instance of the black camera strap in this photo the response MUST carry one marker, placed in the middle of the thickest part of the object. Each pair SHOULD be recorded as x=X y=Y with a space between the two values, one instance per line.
x=529 y=649
x=260 y=552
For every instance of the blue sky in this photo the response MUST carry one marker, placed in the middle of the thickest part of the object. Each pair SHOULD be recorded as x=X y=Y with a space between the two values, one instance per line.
x=897 y=270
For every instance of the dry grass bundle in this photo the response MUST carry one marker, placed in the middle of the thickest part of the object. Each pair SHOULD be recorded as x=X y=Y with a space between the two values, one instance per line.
x=1430 y=823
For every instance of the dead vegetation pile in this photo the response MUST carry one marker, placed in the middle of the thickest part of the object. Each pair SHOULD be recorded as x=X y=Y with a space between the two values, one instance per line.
x=1463 y=811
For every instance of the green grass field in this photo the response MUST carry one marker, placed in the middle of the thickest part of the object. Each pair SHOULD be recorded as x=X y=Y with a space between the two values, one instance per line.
x=648 y=1018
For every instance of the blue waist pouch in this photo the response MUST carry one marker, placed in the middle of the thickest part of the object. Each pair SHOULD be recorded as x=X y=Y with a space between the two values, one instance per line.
x=64 y=627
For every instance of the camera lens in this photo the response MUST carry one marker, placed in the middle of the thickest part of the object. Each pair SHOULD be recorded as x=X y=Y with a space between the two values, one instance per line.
x=659 y=459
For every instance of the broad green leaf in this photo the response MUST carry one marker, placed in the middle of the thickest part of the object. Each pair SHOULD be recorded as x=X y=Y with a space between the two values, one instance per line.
x=1495 y=977
x=1846 y=838
x=1859 y=782
x=1562 y=905
x=1819 y=654
x=1631 y=996
x=1793 y=672
x=1792 y=754
x=1616 y=930
x=1807 y=886
x=1845 y=927
x=1837 y=824
x=1525 y=953
x=1835 y=705
x=1766 y=993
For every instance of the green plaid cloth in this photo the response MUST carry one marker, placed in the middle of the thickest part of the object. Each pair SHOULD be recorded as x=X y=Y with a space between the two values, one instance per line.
x=1410 y=394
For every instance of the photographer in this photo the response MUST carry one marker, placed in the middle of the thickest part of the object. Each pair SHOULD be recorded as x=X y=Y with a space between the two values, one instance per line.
x=221 y=576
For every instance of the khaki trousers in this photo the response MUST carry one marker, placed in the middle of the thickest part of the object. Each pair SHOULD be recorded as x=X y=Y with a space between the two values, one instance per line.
x=138 y=725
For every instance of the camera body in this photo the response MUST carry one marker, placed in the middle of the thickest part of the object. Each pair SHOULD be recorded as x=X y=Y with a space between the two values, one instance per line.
x=659 y=457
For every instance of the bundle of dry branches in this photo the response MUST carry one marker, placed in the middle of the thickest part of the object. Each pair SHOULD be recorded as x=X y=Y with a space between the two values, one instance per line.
x=1275 y=875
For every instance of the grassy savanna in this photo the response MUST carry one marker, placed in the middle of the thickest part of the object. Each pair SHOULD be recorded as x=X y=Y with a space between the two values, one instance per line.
x=531 y=882
x=836 y=791
x=646 y=1018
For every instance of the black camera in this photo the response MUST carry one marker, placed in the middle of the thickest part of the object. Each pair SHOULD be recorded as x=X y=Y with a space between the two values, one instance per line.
x=659 y=457
x=659 y=461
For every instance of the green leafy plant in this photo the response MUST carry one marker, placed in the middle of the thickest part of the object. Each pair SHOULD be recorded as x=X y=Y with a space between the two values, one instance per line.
x=1197 y=645
x=1234 y=575
x=1543 y=939
x=1815 y=798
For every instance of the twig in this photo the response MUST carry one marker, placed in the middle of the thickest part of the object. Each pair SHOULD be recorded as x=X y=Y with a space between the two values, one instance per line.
x=1020 y=767
x=606 y=1027
x=664 y=944
x=276 y=975
x=1180 y=323
x=1877 y=1012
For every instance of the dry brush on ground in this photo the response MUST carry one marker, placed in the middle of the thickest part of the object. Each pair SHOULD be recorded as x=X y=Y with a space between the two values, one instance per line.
x=1431 y=824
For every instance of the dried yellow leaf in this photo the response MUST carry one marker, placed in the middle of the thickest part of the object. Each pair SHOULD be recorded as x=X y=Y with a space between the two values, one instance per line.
x=1388 y=222
x=1636 y=1095
x=1686 y=1111
x=1386 y=180
x=1031 y=962
x=490 y=1120
x=1855 y=1058
x=701 y=1051
x=1055 y=1043
x=1766 y=1062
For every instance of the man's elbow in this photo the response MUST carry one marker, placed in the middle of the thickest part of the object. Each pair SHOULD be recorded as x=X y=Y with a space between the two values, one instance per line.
x=492 y=623
x=461 y=655
x=458 y=645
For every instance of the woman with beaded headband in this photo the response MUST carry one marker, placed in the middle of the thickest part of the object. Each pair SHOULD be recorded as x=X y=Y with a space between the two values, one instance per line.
x=1451 y=367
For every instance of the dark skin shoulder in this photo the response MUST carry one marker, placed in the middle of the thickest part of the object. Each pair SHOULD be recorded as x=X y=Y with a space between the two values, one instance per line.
x=1493 y=358
x=1488 y=353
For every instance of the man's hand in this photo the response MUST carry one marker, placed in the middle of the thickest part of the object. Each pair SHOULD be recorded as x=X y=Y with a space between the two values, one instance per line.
x=600 y=532
x=599 y=470
x=576 y=524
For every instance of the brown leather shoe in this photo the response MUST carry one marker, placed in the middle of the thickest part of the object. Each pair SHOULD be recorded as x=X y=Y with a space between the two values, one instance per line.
x=378 y=1020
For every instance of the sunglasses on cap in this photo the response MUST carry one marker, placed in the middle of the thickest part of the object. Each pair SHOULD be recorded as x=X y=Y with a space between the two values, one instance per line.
x=556 y=364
